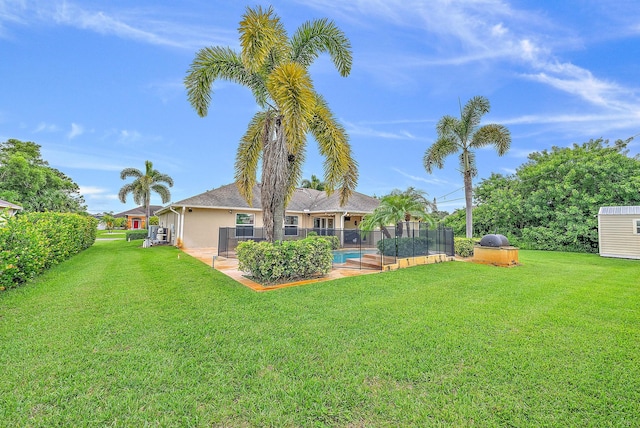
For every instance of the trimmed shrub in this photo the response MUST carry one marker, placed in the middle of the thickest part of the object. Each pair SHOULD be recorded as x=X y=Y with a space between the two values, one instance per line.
x=33 y=242
x=334 y=241
x=286 y=260
x=464 y=246
x=132 y=235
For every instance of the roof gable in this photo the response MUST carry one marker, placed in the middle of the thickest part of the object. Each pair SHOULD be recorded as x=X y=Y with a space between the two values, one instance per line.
x=138 y=211
x=311 y=200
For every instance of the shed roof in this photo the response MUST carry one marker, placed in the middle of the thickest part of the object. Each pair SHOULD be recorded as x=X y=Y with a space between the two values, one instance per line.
x=6 y=204
x=633 y=210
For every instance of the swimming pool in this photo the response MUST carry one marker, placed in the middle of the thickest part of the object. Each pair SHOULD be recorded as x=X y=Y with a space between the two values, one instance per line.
x=341 y=256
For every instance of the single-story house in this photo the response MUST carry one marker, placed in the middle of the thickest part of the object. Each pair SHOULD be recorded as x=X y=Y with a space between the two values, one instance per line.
x=195 y=222
x=136 y=217
x=11 y=208
x=619 y=232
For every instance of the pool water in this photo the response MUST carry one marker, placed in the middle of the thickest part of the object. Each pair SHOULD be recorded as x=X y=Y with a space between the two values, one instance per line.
x=342 y=256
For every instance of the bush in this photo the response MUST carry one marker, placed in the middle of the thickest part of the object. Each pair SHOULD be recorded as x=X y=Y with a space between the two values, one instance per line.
x=33 y=242
x=333 y=241
x=464 y=246
x=286 y=260
x=132 y=235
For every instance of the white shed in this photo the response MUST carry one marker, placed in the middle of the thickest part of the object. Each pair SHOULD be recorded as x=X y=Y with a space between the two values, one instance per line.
x=619 y=232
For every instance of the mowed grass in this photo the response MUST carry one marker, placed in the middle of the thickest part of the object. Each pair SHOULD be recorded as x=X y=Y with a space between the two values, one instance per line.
x=125 y=336
x=111 y=234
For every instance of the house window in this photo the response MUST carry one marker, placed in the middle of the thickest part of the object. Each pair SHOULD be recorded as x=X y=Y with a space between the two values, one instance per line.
x=636 y=227
x=291 y=225
x=244 y=225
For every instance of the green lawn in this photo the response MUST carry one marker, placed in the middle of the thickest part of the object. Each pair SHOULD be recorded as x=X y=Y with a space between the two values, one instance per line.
x=111 y=234
x=125 y=336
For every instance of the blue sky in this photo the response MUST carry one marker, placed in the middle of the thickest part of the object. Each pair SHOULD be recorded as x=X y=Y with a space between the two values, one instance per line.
x=99 y=85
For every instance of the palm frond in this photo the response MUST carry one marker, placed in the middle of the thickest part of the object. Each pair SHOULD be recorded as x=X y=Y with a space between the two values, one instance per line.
x=159 y=177
x=261 y=35
x=249 y=152
x=340 y=169
x=438 y=152
x=292 y=90
x=219 y=63
x=130 y=172
x=315 y=37
x=163 y=191
x=125 y=190
x=473 y=111
x=493 y=134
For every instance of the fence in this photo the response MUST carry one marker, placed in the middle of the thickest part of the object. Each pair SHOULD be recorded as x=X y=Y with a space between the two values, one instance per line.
x=355 y=248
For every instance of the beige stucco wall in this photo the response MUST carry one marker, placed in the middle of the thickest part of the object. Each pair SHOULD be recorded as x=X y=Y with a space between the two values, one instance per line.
x=201 y=225
x=617 y=236
x=351 y=223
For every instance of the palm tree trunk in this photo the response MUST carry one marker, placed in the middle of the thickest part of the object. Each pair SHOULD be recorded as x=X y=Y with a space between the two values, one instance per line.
x=274 y=183
x=147 y=211
x=468 y=193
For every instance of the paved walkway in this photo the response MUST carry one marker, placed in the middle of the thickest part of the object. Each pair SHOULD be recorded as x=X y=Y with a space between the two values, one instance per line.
x=229 y=267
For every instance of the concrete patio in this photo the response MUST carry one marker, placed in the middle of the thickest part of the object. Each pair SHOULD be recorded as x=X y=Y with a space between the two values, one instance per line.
x=229 y=267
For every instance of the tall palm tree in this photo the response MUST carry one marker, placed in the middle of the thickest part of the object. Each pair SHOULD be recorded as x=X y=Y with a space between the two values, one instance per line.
x=145 y=183
x=314 y=183
x=396 y=207
x=461 y=136
x=275 y=68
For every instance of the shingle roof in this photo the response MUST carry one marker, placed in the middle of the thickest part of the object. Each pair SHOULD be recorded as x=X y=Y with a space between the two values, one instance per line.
x=5 y=204
x=619 y=210
x=138 y=211
x=228 y=197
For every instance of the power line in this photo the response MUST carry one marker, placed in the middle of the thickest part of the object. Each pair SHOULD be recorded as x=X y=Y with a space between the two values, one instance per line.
x=444 y=196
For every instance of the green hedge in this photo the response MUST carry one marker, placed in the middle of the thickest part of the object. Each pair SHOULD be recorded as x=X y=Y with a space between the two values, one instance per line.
x=333 y=240
x=132 y=235
x=464 y=246
x=33 y=242
x=284 y=261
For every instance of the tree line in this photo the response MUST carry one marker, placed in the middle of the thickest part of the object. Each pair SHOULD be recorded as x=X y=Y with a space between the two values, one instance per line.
x=552 y=201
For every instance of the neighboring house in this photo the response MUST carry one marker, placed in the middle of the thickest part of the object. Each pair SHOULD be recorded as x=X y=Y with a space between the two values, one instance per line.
x=137 y=217
x=9 y=207
x=195 y=222
x=619 y=232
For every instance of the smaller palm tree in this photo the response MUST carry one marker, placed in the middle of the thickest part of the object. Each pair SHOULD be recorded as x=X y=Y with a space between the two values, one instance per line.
x=314 y=183
x=398 y=207
x=143 y=185
x=108 y=220
x=463 y=136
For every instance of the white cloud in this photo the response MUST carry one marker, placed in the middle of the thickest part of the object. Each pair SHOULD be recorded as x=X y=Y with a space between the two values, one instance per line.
x=67 y=158
x=143 y=25
x=488 y=30
x=421 y=179
x=46 y=127
x=76 y=130
x=355 y=129
x=93 y=192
